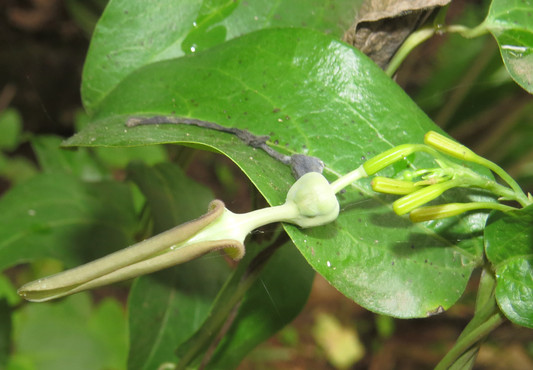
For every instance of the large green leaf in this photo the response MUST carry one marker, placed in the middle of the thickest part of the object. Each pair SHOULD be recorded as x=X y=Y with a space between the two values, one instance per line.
x=314 y=95
x=71 y=334
x=509 y=241
x=167 y=307
x=131 y=34
x=59 y=216
x=511 y=23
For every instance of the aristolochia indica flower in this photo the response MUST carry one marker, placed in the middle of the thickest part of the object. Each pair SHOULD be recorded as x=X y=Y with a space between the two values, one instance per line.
x=311 y=201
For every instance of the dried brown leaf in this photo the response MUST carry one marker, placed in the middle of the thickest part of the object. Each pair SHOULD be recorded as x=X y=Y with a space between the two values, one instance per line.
x=381 y=26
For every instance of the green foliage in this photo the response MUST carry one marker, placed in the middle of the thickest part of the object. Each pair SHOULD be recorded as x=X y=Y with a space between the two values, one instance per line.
x=511 y=23
x=71 y=334
x=508 y=238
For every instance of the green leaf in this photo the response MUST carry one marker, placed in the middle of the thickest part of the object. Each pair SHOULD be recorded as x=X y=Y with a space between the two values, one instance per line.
x=511 y=23
x=71 y=334
x=314 y=95
x=10 y=129
x=508 y=239
x=59 y=216
x=273 y=301
x=132 y=34
x=53 y=159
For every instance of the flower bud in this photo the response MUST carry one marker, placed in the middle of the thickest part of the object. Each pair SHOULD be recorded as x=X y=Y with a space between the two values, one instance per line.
x=414 y=200
x=452 y=209
x=450 y=147
x=393 y=186
x=380 y=161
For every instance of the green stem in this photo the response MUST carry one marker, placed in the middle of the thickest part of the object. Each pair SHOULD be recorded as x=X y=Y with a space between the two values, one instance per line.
x=347 y=179
x=519 y=194
x=464 y=344
x=467 y=32
x=415 y=39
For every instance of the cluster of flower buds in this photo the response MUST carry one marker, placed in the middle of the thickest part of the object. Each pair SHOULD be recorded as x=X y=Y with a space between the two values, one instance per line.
x=433 y=182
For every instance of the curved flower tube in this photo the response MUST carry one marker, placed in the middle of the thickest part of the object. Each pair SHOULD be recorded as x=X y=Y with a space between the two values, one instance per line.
x=310 y=202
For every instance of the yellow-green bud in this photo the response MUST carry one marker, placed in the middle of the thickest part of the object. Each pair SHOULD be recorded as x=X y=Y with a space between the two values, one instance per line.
x=388 y=157
x=452 y=209
x=414 y=200
x=450 y=147
x=393 y=186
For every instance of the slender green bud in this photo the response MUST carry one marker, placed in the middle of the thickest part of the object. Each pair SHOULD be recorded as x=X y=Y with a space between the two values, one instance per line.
x=380 y=161
x=418 y=198
x=393 y=186
x=452 y=209
x=450 y=147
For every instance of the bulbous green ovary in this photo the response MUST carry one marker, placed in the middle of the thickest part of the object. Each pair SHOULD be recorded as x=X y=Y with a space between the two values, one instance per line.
x=315 y=199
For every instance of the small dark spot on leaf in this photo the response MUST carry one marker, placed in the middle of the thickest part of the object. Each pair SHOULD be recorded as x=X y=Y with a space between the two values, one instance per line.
x=392 y=263
x=287 y=145
x=304 y=147
x=229 y=117
x=363 y=158
x=412 y=246
x=361 y=193
x=305 y=120
x=126 y=12
x=276 y=110
x=173 y=112
x=287 y=118
x=462 y=275
x=276 y=142
x=245 y=113
x=359 y=220
x=426 y=261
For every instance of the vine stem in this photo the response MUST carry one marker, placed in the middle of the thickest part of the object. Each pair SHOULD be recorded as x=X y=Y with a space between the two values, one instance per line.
x=470 y=339
x=411 y=42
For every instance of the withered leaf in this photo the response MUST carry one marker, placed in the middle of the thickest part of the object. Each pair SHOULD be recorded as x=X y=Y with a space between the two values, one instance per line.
x=381 y=26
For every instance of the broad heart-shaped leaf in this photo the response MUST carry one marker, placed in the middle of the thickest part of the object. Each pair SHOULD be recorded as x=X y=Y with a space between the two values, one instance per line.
x=511 y=23
x=131 y=33
x=509 y=246
x=314 y=95
x=59 y=216
x=275 y=299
